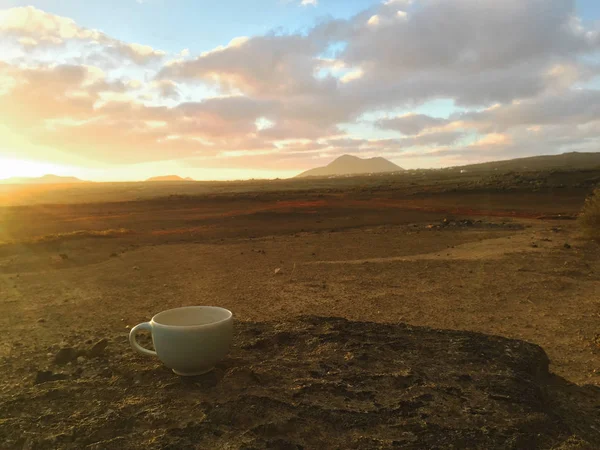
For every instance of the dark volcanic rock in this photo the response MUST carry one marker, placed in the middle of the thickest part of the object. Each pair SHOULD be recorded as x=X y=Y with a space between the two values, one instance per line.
x=319 y=383
x=65 y=355
x=98 y=348
x=46 y=376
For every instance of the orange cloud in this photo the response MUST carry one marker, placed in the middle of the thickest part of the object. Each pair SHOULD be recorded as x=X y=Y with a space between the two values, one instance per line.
x=65 y=107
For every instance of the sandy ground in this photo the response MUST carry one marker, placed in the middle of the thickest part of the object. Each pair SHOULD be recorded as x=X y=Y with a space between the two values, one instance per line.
x=511 y=277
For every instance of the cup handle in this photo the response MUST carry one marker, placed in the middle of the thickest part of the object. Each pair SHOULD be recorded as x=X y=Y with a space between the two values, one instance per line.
x=133 y=342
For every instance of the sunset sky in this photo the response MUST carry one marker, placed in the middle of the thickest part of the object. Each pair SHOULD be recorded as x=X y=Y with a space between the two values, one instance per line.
x=127 y=89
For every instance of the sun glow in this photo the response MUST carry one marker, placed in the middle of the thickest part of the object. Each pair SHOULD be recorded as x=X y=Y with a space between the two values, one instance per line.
x=10 y=167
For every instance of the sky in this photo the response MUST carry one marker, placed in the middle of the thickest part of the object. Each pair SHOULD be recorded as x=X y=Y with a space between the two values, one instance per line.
x=117 y=90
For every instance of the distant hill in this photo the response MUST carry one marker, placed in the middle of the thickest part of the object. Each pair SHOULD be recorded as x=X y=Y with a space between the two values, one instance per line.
x=352 y=165
x=169 y=178
x=573 y=160
x=46 y=179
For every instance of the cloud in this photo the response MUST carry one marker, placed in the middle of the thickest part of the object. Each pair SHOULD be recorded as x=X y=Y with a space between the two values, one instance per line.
x=265 y=66
x=309 y=2
x=573 y=107
x=428 y=139
x=140 y=54
x=522 y=72
x=475 y=52
x=30 y=22
x=78 y=110
x=168 y=89
x=410 y=123
x=443 y=49
x=32 y=28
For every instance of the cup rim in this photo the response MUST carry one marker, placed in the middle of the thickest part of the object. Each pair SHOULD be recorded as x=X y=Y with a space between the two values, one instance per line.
x=155 y=323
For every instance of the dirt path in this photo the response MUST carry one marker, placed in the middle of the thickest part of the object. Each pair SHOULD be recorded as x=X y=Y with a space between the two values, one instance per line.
x=474 y=251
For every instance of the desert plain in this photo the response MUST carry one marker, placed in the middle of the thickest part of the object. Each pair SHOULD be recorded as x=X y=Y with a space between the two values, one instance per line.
x=499 y=254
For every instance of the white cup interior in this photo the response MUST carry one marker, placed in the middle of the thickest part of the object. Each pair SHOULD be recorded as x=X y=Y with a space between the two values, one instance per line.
x=191 y=316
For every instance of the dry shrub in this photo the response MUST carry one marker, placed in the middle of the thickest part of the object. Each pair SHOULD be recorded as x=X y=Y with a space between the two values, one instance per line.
x=589 y=219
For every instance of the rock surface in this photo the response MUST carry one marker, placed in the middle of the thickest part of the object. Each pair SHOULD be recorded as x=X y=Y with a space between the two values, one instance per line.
x=65 y=355
x=98 y=348
x=313 y=383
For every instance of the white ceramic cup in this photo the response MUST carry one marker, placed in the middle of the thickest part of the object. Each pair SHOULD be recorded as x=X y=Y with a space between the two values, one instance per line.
x=188 y=340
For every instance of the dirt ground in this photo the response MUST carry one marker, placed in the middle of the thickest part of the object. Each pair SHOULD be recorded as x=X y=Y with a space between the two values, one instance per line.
x=73 y=275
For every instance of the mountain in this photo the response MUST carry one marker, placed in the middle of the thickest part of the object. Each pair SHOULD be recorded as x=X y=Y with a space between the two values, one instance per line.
x=46 y=179
x=352 y=165
x=170 y=178
x=572 y=160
